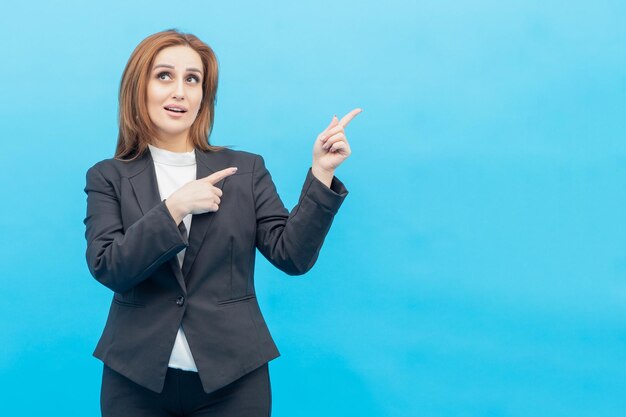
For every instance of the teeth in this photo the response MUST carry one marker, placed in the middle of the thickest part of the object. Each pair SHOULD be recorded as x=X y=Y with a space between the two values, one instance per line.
x=176 y=110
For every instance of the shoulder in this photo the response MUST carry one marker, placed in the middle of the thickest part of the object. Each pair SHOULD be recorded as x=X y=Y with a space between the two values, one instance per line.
x=112 y=168
x=107 y=166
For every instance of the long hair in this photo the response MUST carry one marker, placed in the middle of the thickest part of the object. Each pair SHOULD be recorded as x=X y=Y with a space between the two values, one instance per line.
x=136 y=130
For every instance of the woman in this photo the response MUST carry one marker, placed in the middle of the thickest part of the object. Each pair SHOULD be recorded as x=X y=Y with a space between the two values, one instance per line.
x=172 y=228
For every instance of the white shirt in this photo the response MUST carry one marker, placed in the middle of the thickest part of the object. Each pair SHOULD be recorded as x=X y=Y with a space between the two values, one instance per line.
x=173 y=170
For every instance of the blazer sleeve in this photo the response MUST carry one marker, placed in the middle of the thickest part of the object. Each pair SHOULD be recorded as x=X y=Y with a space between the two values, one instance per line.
x=292 y=241
x=122 y=259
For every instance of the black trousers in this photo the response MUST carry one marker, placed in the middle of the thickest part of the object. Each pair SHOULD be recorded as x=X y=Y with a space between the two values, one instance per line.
x=249 y=396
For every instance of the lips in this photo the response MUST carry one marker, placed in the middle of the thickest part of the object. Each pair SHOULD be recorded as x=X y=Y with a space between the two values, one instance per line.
x=174 y=108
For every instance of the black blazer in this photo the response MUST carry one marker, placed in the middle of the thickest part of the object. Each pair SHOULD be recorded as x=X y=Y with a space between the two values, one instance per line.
x=132 y=242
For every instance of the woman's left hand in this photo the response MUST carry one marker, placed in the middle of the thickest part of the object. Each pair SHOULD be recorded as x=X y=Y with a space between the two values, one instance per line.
x=331 y=147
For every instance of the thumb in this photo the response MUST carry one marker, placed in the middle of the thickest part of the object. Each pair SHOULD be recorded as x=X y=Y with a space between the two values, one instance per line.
x=333 y=123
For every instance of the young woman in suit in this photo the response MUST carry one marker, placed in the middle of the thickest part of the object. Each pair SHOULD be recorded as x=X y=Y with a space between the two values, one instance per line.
x=172 y=228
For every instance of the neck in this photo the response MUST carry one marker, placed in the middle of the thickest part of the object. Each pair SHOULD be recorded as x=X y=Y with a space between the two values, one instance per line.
x=174 y=144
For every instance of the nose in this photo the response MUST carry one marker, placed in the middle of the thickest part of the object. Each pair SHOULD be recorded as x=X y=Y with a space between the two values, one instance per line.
x=179 y=90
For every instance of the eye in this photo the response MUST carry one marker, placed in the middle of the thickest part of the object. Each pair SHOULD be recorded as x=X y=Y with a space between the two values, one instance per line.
x=194 y=77
x=163 y=73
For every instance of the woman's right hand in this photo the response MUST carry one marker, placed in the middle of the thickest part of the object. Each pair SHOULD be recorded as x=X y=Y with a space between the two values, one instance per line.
x=198 y=196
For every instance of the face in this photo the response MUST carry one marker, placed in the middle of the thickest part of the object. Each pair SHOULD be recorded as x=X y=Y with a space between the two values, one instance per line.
x=175 y=92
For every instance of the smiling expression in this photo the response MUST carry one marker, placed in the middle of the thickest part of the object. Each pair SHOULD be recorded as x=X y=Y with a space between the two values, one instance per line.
x=174 y=92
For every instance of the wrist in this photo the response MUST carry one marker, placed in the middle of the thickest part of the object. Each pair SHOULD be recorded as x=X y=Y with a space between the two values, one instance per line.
x=325 y=176
x=176 y=210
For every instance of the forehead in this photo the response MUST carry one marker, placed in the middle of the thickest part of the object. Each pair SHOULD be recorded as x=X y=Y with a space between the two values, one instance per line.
x=180 y=56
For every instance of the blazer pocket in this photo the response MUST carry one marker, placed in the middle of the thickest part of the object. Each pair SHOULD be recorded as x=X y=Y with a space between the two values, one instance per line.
x=127 y=303
x=236 y=300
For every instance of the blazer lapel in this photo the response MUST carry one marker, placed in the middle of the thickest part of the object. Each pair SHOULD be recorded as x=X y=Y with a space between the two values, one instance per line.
x=146 y=189
x=206 y=164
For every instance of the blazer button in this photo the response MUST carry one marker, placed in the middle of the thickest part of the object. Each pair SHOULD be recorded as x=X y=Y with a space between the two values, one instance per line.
x=180 y=300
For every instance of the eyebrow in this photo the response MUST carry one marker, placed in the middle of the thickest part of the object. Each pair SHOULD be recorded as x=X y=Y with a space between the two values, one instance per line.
x=172 y=67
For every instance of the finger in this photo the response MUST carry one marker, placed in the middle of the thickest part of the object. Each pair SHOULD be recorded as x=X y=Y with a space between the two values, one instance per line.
x=219 y=175
x=336 y=129
x=333 y=122
x=348 y=117
x=217 y=191
x=337 y=146
x=335 y=138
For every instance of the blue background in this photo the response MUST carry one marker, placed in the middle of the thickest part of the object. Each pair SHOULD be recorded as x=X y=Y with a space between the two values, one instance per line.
x=477 y=265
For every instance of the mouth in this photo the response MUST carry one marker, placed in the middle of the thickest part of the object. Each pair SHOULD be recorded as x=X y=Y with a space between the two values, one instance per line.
x=175 y=110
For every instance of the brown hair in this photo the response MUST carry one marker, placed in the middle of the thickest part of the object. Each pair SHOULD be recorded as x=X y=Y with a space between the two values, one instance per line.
x=135 y=127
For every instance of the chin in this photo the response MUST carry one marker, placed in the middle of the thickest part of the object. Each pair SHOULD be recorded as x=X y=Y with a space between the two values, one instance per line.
x=168 y=130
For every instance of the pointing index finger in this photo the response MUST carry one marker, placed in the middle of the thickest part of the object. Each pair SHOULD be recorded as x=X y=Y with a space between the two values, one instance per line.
x=219 y=175
x=348 y=117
